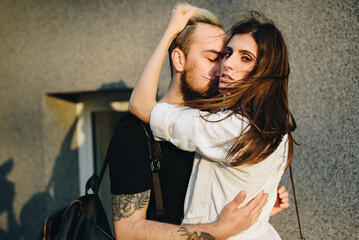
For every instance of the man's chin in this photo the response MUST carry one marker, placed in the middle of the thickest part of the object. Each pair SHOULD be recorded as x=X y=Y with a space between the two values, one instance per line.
x=190 y=94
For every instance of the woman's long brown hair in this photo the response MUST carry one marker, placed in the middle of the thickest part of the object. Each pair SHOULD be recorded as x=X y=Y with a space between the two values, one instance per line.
x=262 y=97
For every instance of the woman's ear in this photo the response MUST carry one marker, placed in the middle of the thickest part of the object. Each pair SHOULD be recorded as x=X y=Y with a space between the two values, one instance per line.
x=178 y=59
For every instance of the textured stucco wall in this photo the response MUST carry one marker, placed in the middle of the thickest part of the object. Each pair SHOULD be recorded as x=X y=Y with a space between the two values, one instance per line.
x=54 y=46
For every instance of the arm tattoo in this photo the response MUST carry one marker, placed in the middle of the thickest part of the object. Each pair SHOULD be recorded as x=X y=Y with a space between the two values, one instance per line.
x=125 y=205
x=194 y=235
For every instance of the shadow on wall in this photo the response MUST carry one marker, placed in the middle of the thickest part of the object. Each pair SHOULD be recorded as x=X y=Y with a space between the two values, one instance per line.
x=62 y=188
x=39 y=206
x=7 y=195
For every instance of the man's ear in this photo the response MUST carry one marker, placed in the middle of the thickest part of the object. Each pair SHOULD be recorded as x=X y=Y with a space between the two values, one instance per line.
x=178 y=59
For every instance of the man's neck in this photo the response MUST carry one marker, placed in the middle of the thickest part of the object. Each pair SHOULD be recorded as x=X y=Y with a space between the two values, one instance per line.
x=173 y=94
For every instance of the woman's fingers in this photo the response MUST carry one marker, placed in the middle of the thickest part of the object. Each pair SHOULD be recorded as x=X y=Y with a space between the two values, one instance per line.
x=179 y=19
x=281 y=189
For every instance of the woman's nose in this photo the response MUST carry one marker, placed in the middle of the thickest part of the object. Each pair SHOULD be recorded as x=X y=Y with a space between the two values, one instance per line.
x=227 y=64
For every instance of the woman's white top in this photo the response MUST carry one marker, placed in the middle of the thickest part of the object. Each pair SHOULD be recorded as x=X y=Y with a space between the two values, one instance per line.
x=213 y=182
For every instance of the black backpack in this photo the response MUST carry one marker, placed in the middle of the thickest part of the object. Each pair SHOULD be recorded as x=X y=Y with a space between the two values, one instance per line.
x=83 y=219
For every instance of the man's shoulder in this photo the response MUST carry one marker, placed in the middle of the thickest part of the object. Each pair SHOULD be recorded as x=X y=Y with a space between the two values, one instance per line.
x=128 y=136
x=129 y=126
x=128 y=119
x=128 y=157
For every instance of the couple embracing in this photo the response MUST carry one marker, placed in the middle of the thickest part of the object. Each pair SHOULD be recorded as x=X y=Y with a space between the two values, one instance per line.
x=225 y=132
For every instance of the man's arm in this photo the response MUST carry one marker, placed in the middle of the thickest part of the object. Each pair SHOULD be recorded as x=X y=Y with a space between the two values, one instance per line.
x=129 y=219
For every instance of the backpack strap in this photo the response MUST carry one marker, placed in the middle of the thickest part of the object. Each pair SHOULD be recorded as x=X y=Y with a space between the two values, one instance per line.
x=94 y=181
x=155 y=155
x=295 y=203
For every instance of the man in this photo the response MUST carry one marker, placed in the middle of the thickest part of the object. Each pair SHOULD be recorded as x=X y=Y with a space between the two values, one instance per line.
x=194 y=58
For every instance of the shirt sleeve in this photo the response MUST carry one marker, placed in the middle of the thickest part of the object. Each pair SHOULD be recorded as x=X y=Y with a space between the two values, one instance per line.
x=127 y=154
x=210 y=135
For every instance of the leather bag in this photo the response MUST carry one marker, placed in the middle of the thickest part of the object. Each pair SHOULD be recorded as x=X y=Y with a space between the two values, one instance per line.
x=83 y=219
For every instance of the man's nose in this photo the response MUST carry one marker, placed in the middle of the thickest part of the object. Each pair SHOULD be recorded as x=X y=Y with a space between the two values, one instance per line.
x=218 y=68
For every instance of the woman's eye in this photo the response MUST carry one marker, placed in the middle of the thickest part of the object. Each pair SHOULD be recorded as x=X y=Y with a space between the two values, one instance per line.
x=227 y=54
x=246 y=59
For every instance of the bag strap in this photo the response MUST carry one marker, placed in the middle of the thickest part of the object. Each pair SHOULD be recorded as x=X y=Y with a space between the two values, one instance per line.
x=94 y=181
x=155 y=155
x=102 y=172
x=295 y=203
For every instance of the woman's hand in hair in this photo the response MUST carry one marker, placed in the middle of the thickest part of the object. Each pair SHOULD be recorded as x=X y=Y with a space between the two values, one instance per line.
x=179 y=19
x=143 y=97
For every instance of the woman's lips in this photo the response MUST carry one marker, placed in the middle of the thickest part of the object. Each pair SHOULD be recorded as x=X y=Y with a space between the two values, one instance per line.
x=226 y=78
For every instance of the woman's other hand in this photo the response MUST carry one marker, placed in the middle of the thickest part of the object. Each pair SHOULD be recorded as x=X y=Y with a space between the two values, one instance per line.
x=282 y=201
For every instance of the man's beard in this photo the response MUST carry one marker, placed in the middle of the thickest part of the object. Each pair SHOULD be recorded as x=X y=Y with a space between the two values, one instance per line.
x=190 y=94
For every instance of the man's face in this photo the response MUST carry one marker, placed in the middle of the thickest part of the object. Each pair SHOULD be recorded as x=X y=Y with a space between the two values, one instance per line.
x=203 y=62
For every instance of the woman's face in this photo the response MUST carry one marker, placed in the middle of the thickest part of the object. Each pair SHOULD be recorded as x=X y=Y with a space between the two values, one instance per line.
x=240 y=56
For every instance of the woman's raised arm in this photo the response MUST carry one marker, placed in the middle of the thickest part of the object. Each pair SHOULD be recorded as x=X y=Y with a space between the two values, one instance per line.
x=143 y=97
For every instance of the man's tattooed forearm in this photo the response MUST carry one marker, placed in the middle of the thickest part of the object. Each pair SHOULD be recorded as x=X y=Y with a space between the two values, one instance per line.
x=194 y=235
x=125 y=205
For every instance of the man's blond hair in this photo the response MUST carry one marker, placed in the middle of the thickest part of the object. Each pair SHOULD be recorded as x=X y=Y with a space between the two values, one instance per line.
x=184 y=39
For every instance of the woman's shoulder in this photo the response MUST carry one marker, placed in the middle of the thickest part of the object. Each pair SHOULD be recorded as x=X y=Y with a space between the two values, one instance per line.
x=225 y=115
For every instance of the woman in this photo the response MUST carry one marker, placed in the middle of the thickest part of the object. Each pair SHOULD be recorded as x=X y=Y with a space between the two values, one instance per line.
x=243 y=140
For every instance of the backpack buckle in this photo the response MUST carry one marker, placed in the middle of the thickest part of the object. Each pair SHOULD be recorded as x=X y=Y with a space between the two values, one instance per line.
x=155 y=165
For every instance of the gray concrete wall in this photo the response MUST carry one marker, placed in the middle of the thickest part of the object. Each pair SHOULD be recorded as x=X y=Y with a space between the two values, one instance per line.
x=55 y=46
